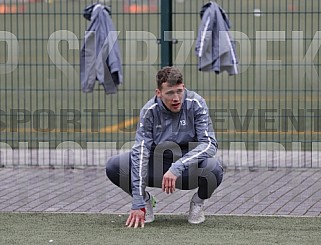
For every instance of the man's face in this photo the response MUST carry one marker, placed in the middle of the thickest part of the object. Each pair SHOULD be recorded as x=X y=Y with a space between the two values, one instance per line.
x=172 y=96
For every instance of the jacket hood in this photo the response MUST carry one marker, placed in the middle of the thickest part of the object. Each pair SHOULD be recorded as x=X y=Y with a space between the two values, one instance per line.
x=204 y=8
x=223 y=13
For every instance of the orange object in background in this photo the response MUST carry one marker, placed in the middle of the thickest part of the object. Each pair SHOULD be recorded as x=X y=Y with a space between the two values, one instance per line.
x=11 y=9
x=292 y=7
x=142 y=6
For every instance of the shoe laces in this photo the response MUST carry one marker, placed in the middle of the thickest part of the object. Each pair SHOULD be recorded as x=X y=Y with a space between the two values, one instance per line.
x=196 y=208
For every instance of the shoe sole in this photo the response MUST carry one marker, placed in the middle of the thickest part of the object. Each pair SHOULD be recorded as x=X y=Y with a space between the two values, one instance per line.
x=196 y=223
x=149 y=221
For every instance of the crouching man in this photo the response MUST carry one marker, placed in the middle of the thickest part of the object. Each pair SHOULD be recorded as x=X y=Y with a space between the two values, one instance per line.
x=174 y=148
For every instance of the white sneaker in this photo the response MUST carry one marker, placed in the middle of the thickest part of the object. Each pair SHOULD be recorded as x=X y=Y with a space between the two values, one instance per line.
x=150 y=204
x=196 y=213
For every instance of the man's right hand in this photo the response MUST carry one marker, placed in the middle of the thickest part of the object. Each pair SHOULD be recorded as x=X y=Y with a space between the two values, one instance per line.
x=135 y=218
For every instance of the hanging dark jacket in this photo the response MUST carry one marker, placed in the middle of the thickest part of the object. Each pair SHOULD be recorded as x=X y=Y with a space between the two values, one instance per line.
x=100 y=55
x=214 y=46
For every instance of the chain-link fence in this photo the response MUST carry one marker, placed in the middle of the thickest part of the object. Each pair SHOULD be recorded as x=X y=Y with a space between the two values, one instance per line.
x=274 y=99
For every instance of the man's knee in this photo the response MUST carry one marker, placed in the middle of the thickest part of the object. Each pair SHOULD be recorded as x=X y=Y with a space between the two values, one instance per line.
x=212 y=172
x=214 y=165
x=218 y=172
x=112 y=168
x=211 y=177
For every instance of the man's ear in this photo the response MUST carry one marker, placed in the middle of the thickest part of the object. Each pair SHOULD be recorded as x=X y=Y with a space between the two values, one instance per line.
x=158 y=93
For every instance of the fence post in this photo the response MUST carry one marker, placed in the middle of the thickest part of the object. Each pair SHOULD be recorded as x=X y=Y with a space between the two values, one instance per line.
x=166 y=33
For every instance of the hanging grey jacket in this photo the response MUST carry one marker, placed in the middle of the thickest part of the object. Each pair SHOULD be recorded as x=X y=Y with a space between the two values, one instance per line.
x=159 y=126
x=214 y=46
x=100 y=55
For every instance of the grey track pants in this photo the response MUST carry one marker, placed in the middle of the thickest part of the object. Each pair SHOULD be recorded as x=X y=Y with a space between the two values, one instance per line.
x=207 y=175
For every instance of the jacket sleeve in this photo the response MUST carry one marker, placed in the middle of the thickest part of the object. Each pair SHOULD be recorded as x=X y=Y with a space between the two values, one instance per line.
x=114 y=60
x=204 y=36
x=106 y=39
x=87 y=60
x=140 y=158
x=207 y=144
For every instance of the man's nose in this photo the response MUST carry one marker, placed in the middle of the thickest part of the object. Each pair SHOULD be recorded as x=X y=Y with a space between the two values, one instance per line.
x=175 y=97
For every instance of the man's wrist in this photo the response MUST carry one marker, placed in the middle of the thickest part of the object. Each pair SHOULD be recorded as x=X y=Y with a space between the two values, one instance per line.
x=174 y=171
x=138 y=202
x=144 y=210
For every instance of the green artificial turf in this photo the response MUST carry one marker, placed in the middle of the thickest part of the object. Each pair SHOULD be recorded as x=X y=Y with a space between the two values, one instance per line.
x=39 y=228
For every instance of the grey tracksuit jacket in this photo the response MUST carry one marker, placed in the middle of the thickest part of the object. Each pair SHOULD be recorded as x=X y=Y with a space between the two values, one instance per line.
x=100 y=56
x=158 y=125
x=214 y=47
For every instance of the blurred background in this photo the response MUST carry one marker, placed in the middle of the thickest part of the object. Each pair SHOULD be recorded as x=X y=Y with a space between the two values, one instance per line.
x=275 y=98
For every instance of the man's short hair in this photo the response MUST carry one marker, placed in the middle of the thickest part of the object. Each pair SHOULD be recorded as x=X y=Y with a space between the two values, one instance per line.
x=169 y=74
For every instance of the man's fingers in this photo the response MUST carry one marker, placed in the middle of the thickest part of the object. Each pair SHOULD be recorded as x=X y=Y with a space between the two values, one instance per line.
x=165 y=184
x=128 y=220
x=168 y=184
x=137 y=219
x=173 y=185
x=131 y=224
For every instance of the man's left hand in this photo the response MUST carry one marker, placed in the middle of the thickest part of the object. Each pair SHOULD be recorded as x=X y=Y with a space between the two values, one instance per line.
x=168 y=183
